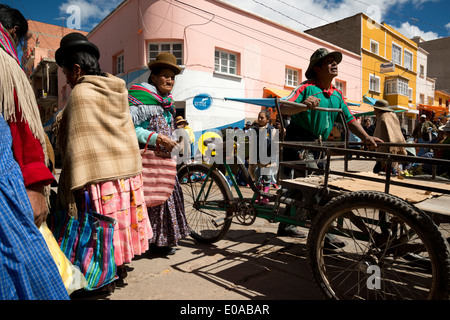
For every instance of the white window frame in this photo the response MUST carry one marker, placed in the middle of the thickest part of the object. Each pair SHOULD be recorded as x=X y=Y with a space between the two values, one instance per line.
x=226 y=62
x=175 y=48
x=410 y=94
x=422 y=98
x=291 y=77
x=397 y=86
x=397 y=59
x=377 y=45
x=341 y=86
x=422 y=70
x=120 y=64
x=376 y=83
x=407 y=65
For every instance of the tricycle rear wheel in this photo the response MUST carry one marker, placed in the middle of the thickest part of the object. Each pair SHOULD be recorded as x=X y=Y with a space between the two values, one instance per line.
x=393 y=250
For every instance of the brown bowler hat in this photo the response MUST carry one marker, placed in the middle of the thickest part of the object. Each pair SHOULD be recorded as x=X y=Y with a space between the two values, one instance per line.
x=166 y=60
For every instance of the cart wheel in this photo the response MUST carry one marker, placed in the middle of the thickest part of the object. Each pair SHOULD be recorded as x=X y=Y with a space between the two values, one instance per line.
x=392 y=250
x=208 y=211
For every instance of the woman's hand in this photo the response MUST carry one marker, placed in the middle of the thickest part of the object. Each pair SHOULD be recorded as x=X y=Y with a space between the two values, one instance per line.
x=166 y=142
x=38 y=203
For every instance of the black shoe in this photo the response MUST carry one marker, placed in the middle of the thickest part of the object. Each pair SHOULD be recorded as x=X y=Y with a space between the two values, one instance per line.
x=333 y=243
x=167 y=251
x=291 y=232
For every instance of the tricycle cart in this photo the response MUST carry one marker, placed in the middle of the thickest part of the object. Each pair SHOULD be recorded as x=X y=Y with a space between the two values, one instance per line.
x=394 y=245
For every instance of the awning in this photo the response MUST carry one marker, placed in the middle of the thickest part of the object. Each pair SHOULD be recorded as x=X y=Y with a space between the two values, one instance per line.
x=369 y=100
x=358 y=106
x=408 y=109
x=371 y=113
x=275 y=93
x=265 y=102
x=432 y=108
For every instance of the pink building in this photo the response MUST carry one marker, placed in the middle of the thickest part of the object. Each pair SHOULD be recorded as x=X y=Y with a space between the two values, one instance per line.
x=224 y=52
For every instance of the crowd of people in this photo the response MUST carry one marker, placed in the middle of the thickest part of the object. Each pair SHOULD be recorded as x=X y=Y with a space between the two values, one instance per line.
x=100 y=133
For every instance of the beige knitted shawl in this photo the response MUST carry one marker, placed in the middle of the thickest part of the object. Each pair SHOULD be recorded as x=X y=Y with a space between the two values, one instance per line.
x=96 y=136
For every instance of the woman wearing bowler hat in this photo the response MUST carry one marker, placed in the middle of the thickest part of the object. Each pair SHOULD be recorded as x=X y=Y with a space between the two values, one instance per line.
x=153 y=112
x=99 y=150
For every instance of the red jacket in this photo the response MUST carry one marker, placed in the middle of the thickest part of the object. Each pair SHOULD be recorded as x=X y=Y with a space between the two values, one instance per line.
x=28 y=152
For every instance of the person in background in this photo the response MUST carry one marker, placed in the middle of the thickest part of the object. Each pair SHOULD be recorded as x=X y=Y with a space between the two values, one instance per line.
x=389 y=130
x=248 y=126
x=422 y=132
x=262 y=172
x=184 y=124
x=444 y=153
x=100 y=153
x=311 y=125
x=368 y=127
x=27 y=269
x=152 y=110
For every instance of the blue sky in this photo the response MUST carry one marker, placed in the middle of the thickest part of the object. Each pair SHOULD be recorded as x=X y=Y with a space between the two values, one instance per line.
x=426 y=18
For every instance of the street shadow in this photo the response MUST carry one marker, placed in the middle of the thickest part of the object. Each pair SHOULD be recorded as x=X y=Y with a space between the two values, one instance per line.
x=256 y=265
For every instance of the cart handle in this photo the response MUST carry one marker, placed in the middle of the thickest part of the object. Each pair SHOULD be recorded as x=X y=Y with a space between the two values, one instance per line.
x=301 y=105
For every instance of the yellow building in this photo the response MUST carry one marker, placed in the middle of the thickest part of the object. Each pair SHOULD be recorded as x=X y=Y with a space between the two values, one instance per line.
x=441 y=105
x=389 y=61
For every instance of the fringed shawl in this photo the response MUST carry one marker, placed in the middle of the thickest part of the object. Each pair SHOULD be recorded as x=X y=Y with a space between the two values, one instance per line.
x=12 y=77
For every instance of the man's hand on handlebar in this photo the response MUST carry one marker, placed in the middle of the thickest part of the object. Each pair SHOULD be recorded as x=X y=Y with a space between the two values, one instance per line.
x=311 y=102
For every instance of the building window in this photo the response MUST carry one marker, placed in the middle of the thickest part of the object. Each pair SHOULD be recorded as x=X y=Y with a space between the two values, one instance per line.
x=374 y=83
x=175 y=48
x=120 y=64
x=396 y=54
x=291 y=77
x=440 y=101
x=341 y=86
x=225 y=62
x=422 y=98
x=422 y=71
x=374 y=47
x=410 y=94
x=398 y=86
x=408 y=60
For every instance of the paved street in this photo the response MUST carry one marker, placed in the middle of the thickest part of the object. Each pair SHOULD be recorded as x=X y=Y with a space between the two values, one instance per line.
x=250 y=263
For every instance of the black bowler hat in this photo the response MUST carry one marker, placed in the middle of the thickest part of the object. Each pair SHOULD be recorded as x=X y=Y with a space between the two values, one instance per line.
x=75 y=41
x=317 y=57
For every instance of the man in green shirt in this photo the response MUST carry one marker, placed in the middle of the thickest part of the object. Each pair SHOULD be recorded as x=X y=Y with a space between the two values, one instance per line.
x=310 y=124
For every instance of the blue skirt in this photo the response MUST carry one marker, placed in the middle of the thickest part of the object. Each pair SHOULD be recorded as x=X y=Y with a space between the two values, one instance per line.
x=27 y=269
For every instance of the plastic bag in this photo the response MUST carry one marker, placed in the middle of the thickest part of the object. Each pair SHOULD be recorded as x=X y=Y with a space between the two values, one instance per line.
x=72 y=277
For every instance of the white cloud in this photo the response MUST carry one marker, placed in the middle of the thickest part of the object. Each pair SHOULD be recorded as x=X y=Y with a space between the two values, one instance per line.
x=411 y=31
x=306 y=14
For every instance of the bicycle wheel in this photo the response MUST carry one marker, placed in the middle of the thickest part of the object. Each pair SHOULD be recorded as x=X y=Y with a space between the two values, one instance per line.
x=207 y=202
x=393 y=250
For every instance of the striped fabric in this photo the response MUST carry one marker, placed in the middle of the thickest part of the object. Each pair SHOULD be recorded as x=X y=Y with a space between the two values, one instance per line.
x=27 y=269
x=145 y=94
x=7 y=44
x=88 y=243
